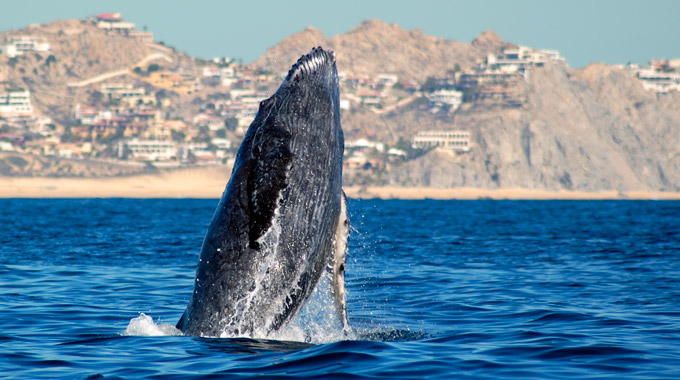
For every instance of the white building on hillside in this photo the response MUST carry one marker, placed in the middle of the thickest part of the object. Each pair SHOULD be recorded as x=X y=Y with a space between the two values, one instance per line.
x=116 y=91
x=658 y=81
x=364 y=144
x=387 y=80
x=519 y=60
x=458 y=141
x=18 y=45
x=113 y=21
x=148 y=150
x=451 y=97
x=16 y=103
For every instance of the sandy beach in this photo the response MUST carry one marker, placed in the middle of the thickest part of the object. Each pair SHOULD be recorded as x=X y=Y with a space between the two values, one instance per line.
x=206 y=182
x=209 y=182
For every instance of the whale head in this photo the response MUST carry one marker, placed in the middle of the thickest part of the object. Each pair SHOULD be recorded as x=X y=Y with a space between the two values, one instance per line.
x=281 y=220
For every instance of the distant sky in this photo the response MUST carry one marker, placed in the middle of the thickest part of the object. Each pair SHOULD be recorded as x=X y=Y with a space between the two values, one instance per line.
x=584 y=31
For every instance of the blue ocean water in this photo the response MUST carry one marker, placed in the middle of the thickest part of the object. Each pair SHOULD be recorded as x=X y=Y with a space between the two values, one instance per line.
x=436 y=289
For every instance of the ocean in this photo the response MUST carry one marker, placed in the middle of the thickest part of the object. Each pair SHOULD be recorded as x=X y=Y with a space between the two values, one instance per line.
x=90 y=289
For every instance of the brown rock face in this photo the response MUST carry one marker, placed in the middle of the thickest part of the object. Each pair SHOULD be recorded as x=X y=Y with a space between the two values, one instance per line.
x=378 y=47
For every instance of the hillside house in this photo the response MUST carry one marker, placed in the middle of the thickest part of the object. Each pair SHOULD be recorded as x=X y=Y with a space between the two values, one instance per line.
x=120 y=90
x=445 y=97
x=212 y=122
x=657 y=80
x=16 y=103
x=6 y=146
x=523 y=57
x=148 y=150
x=88 y=115
x=510 y=96
x=370 y=98
x=363 y=145
x=171 y=81
x=11 y=141
x=66 y=150
x=512 y=61
x=458 y=141
x=126 y=93
x=387 y=80
x=222 y=144
x=472 y=78
x=360 y=161
x=18 y=45
x=113 y=21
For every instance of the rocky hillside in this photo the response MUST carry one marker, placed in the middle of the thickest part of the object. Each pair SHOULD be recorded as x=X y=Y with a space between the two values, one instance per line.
x=79 y=51
x=591 y=129
x=377 y=47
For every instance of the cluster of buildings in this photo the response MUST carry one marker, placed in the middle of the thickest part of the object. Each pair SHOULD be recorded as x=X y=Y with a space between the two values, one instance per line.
x=498 y=78
x=371 y=92
x=18 y=121
x=173 y=153
x=495 y=80
x=126 y=122
x=16 y=110
x=660 y=75
x=126 y=114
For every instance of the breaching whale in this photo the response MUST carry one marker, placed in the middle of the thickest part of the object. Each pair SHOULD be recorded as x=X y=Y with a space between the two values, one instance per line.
x=282 y=218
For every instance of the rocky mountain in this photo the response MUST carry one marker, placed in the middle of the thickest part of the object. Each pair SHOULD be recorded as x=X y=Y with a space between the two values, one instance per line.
x=378 y=47
x=592 y=129
x=79 y=50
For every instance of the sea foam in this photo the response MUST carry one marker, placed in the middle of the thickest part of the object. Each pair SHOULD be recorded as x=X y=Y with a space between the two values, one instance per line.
x=145 y=326
x=316 y=323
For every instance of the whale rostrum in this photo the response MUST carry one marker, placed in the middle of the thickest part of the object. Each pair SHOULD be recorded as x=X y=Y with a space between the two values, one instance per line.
x=282 y=220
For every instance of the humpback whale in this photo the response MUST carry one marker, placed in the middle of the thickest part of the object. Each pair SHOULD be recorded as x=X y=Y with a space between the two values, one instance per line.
x=282 y=220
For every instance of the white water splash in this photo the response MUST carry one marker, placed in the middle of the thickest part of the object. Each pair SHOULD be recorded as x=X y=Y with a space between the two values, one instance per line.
x=317 y=322
x=145 y=326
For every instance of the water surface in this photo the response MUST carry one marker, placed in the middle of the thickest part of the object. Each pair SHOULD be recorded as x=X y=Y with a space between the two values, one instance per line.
x=436 y=289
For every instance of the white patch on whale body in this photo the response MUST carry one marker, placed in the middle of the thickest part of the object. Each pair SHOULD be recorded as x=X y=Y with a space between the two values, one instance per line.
x=269 y=246
x=317 y=321
x=338 y=264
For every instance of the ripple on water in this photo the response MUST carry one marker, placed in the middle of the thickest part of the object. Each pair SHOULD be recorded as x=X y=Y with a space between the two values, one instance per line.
x=436 y=289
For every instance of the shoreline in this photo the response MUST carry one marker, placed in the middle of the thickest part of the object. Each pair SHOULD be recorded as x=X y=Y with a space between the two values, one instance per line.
x=466 y=193
x=209 y=182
